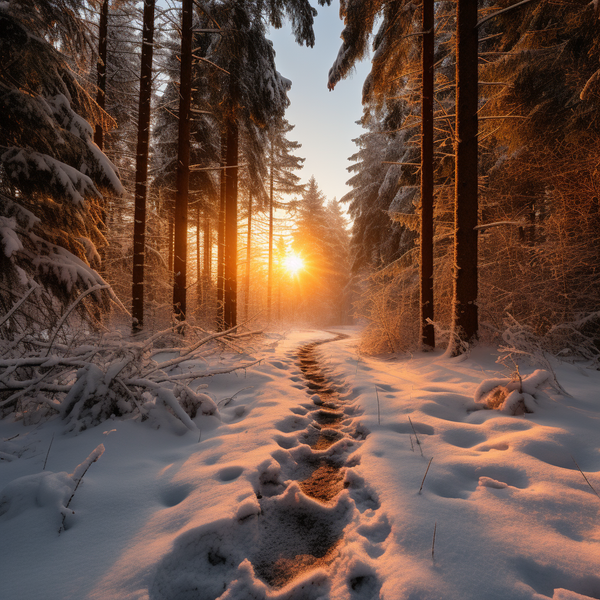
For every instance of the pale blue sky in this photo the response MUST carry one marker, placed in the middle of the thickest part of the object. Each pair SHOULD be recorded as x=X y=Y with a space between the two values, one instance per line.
x=324 y=120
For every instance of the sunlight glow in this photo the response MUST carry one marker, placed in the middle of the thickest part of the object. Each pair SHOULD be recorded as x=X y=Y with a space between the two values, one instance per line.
x=293 y=263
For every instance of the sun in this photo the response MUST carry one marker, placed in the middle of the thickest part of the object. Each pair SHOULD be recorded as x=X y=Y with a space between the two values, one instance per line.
x=293 y=263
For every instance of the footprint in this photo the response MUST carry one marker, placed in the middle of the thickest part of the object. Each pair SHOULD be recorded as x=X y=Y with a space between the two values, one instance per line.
x=386 y=388
x=463 y=437
x=229 y=473
x=278 y=364
x=560 y=455
x=298 y=410
x=213 y=458
x=292 y=423
x=546 y=579
x=364 y=497
x=376 y=532
x=365 y=585
x=443 y=413
x=286 y=442
x=463 y=480
x=175 y=495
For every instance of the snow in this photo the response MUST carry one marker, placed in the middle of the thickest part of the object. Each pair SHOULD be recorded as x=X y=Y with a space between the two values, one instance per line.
x=8 y=236
x=171 y=512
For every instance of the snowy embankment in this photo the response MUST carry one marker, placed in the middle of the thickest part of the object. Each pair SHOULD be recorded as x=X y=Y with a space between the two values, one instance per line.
x=176 y=514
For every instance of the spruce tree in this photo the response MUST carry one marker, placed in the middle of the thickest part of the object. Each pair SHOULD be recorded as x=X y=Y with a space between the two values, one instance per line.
x=52 y=175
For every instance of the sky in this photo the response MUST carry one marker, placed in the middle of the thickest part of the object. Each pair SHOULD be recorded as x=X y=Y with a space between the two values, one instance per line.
x=325 y=121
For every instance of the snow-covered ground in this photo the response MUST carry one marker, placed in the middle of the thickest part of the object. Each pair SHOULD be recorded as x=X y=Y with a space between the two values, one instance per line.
x=172 y=514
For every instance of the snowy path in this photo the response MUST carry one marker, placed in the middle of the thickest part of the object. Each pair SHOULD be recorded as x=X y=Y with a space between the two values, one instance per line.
x=306 y=487
x=295 y=528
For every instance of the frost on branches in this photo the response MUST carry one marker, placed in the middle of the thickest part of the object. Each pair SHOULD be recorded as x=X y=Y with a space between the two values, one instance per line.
x=52 y=175
x=111 y=376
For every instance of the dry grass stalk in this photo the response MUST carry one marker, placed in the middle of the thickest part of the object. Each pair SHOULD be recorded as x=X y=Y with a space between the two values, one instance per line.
x=416 y=436
x=426 y=471
x=586 y=479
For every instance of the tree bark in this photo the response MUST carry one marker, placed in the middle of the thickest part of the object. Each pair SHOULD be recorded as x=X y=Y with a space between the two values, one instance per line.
x=141 y=168
x=231 y=191
x=171 y=238
x=426 y=275
x=98 y=131
x=207 y=256
x=183 y=165
x=199 y=283
x=221 y=235
x=248 y=257
x=270 y=272
x=102 y=57
x=465 y=317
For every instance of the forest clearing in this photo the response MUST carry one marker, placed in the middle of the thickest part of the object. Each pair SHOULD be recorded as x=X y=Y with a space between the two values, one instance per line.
x=219 y=380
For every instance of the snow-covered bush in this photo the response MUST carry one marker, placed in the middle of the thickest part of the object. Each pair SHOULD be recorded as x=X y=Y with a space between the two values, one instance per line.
x=514 y=396
x=87 y=381
x=50 y=492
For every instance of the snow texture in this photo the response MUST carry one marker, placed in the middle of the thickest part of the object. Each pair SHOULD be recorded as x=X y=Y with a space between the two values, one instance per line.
x=222 y=510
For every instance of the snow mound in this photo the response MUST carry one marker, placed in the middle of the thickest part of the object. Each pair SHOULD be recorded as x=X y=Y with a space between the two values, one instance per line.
x=513 y=397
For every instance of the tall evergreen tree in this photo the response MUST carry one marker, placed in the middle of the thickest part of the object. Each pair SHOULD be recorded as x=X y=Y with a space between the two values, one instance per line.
x=257 y=95
x=321 y=240
x=51 y=172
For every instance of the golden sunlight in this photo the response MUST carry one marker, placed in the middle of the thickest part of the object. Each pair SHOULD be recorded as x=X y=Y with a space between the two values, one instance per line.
x=293 y=263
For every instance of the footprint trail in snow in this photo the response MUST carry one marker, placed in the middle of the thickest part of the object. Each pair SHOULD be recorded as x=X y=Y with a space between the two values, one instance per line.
x=287 y=541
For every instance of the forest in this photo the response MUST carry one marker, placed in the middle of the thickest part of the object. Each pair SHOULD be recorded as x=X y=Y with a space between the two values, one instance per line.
x=165 y=260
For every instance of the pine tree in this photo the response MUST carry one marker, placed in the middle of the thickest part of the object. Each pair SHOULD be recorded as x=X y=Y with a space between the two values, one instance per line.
x=321 y=241
x=52 y=174
x=249 y=59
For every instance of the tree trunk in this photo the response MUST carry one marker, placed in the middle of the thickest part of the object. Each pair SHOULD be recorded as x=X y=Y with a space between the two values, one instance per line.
x=141 y=168
x=270 y=272
x=98 y=132
x=279 y=296
x=230 y=275
x=183 y=165
x=171 y=237
x=207 y=256
x=199 y=282
x=102 y=56
x=465 y=319
x=248 y=257
x=221 y=235
x=426 y=275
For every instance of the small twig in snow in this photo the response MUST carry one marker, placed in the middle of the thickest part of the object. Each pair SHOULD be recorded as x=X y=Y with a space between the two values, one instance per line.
x=433 y=542
x=586 y=479
x=416 y=436
x=426 y=471
x=48 y=453
x=378 y=411
x=83 y=467
x=226 y=401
